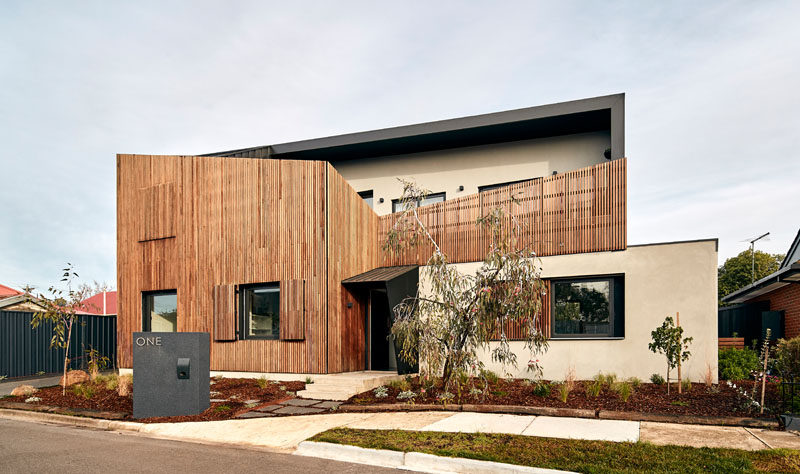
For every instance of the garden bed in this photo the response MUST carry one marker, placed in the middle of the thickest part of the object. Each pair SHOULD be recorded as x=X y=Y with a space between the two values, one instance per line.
x=102 y=397
x=700 y=400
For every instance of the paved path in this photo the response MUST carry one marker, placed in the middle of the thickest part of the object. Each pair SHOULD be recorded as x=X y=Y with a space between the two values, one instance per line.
x=284 y=433
x=7 y=386
x=36 y=447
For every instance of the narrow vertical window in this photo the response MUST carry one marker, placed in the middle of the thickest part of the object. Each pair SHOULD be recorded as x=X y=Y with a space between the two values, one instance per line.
x=160 y=311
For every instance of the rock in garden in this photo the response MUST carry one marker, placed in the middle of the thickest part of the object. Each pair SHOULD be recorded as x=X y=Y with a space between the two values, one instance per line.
x=23 y=391
x=74 y=376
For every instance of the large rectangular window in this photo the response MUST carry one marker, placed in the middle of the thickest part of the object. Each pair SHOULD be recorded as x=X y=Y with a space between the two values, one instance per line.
x=160 y=311
x=397 y=204
x=260 y=311
x=588 y=307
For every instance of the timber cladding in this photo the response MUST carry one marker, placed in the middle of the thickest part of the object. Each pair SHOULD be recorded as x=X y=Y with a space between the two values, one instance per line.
x=204 y=225
x=574 y=212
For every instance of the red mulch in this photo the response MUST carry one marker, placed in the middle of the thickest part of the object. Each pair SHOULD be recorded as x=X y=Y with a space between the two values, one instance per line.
x=647 y=398
x=108 y=400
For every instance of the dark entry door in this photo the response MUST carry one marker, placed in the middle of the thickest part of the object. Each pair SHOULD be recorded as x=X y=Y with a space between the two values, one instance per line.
x=381 y=347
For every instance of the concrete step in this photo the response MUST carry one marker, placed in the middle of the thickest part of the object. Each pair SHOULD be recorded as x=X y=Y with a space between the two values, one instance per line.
x=334 y=395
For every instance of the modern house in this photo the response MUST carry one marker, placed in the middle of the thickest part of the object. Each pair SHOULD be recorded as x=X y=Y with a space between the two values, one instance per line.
x=276 y=250
x=773 y=301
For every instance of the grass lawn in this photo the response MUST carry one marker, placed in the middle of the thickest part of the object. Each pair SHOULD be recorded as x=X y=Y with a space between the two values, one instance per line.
x=572 y=455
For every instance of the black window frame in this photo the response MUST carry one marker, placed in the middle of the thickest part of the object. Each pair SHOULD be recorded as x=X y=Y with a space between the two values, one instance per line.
x=443 y=194
x=242 y=293
x=368 y=194
x=616 y=306
x=147 y=323
x=490 y=187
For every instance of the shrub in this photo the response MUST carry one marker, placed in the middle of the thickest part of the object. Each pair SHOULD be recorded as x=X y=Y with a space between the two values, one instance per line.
x=623 y=389
x=489 y=376
x=594 y=388
x=708 y=376
x=686 y=384
x=563 y=391
x=474 y=392
x=736 y=364
x=542 y=389
x=309 y=380
x=84 y=390
x=111 y=382
x=445 y=397
x=381 y=392
x=787 y=358
x=220 y=408
x=401 y=385
x=607 y=380
x=657 y=379
x=406 y=395
x=262 y=382
x=635 y=382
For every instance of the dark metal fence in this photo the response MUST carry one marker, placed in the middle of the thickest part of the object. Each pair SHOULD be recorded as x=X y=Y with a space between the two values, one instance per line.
x=26 y=351
x=790 y=397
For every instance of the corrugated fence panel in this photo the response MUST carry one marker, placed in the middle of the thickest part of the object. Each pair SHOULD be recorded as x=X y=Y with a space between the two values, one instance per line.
x=26 y=351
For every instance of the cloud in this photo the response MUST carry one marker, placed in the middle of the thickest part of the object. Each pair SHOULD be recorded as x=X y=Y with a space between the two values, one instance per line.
x=711 y=100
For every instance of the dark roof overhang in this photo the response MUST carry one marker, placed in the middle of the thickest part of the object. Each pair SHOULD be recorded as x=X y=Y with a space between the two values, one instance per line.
x=565 y=118
x=378 y=275
x=784 y=276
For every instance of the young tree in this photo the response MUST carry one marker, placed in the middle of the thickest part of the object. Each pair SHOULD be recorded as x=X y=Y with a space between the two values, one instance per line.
x=62 y=310
x=668 y=340
x=458 y=315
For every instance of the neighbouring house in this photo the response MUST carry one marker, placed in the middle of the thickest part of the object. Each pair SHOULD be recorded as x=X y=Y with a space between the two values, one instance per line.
x=276 y=250
x=103 y=303
x=771 y=302
x=15 y=300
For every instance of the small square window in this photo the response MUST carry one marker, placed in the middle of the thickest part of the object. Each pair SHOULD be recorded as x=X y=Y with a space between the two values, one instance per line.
x=260 y=312
x=160 y=311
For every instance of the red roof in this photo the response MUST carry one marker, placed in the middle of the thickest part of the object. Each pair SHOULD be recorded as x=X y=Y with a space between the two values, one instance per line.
x=6 y=292
x=101 y=303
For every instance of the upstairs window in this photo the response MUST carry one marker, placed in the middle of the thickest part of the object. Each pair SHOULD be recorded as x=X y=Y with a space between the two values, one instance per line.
x=588 y=307
x=490 y=187
x=160 y=311
x=397 y=204
x=367 y=196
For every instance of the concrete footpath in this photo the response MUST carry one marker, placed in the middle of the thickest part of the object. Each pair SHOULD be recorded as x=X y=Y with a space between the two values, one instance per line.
x=285 y=433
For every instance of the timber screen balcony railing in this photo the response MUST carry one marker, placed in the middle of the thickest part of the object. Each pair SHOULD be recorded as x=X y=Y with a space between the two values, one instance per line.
x=574 y=212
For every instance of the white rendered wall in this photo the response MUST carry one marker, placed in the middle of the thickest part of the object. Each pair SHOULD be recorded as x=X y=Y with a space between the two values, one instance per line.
x=446 y=170
x=660 y=280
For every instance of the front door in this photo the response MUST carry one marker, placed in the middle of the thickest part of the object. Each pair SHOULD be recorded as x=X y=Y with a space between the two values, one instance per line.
x=380 y=344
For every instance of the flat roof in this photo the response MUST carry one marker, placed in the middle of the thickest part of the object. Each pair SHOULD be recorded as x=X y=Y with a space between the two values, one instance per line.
x=564 y=118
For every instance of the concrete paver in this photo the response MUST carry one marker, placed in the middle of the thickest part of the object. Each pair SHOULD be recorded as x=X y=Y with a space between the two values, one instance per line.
x=777 y=439
x=300 y=402
x=699 y=436
x=255 y=414
x=414 y=421
x=482 y=423
x=581 y=428
x=293 y=410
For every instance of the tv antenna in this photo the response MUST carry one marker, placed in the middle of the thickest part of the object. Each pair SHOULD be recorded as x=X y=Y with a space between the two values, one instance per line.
x=753 y=253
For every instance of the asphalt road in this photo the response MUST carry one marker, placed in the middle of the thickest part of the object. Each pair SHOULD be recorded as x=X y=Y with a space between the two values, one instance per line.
x=27 y=447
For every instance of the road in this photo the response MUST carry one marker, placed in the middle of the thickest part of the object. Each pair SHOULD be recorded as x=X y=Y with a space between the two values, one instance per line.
x=35 y=447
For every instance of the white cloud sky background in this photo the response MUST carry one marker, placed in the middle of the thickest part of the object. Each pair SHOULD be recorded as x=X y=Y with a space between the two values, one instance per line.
x=712 y=105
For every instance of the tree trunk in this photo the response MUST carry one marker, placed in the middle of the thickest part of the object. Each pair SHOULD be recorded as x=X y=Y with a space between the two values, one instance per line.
x=667 y=378
x=680 y=353
x=66 y=359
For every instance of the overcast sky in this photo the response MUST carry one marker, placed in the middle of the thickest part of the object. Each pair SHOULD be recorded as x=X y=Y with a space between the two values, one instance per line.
x=712 y=100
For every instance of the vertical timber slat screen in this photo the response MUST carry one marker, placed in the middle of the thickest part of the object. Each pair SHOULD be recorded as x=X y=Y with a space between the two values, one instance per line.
x=224 y=312
x=574 y=212
x=292 y=310
x=26 y=351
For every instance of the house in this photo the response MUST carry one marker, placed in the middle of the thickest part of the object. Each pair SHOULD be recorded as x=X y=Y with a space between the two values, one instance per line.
x=103 y=303
x=773 y=301
x=15 y=300
x=275 y=250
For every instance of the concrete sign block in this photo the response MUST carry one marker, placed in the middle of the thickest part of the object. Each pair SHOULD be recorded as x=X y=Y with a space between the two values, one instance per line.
x=171 y=373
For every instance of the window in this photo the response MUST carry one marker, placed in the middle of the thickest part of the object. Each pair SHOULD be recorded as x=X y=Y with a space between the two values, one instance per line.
x=160 y=311
x=489 y=187
x=588 y=307
x=260 y=311
x=366 y=196
x=397 y=204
